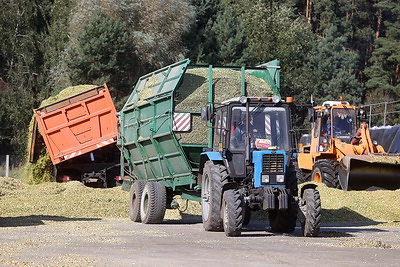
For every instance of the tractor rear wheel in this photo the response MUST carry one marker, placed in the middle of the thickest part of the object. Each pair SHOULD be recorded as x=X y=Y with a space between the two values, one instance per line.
x=153 y=203
x=232 y=212
x=135 y=195
x=326 y=171
x=311 y=208
x=211 y=196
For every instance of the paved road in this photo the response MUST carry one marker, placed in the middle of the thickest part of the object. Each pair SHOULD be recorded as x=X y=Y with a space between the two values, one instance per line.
x=55 y=241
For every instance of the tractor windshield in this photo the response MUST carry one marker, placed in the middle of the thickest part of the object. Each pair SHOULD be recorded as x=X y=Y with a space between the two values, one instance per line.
x=343 y=124
x=268 y=128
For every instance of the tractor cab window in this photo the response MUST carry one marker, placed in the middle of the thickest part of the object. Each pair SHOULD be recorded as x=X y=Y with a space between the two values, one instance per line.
x=343 y=124
x=220 y=127
x=267 y=128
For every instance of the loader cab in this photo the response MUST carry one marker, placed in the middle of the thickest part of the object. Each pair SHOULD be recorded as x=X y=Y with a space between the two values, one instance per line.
x=333 y=120
x=257 y=125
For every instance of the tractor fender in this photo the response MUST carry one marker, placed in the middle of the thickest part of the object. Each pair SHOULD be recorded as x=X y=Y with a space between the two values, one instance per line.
x=206 y=156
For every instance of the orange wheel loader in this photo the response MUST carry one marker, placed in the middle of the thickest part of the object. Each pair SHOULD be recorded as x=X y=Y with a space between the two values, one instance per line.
x=342 y=155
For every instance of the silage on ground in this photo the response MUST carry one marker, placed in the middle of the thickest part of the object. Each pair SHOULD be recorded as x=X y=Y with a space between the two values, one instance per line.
x=74 y=200
x=42 y=169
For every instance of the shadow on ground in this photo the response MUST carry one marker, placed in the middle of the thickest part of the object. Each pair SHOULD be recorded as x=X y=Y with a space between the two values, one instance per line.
x=34 y=220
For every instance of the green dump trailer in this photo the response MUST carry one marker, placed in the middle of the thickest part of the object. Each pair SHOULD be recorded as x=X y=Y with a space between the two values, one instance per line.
x=190 y=131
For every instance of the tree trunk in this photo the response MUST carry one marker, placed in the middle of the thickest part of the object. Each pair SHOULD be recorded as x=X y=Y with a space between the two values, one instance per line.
x=378 y=26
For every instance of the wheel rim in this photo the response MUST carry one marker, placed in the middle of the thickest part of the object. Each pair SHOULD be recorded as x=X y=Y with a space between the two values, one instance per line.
x=145 y=203
x=225 y=215
x=317 y=176
x=205 y=198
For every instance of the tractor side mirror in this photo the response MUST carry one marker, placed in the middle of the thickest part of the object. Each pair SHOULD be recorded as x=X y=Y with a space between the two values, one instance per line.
x=311 y=115
x=206 y=113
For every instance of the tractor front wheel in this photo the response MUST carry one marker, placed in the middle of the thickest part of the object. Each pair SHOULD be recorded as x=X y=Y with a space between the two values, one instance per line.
x=232 y=212
x=311 y=208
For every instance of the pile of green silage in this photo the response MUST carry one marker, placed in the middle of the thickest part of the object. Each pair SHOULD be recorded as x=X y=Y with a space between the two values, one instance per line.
x=42 y=169
x=192 y=95
x=75 y=200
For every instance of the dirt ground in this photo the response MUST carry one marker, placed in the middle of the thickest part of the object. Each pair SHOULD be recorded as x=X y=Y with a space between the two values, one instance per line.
x=63 y=241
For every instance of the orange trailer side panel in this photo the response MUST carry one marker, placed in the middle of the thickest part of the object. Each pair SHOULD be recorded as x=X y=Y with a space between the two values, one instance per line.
x=79 y=124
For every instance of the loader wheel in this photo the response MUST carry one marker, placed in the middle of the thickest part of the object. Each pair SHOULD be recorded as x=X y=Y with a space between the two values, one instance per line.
x=211 y=196
x=232 y=212
x=153 y=203
x=326 y=171
x=135 y=195
x=283 y=221
x=311 y=208
x=301 y=175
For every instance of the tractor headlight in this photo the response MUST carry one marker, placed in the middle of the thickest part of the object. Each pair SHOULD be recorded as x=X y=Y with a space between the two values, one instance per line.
x=264 y=179
x=280 y=178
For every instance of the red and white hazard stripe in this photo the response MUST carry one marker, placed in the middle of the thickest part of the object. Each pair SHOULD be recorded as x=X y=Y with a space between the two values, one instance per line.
x=267 y=124
x=104 y=143
x=72 y=155
x=181 y=122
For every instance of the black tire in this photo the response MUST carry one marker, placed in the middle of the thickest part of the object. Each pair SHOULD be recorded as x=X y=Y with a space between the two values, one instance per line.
x=153 y=203
x=283 y=221
x=232 y=212
x=311 y=206
x=326 y=171
x=246 y=215
x=291 y=181
x=135 y=196
x=303 y=176
x=211 y=196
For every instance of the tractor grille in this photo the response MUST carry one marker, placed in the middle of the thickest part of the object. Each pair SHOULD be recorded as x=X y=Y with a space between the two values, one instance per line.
x=273 y=163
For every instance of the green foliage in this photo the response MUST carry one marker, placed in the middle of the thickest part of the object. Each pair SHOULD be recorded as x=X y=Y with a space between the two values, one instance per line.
x=225 y=41
x=334 y=69
x=25 y=26
x=100 y=51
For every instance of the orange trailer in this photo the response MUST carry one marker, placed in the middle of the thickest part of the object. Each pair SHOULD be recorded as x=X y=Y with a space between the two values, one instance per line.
x=80 y=134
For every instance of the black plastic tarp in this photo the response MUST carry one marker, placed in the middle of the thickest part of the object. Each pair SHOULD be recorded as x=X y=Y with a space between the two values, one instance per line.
x=388 y=137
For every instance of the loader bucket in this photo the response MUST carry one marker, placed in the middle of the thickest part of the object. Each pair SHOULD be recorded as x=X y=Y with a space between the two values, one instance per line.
x=359 y=172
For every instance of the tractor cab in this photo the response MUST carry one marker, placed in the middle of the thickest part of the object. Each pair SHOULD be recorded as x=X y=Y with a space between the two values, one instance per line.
x=246 y=126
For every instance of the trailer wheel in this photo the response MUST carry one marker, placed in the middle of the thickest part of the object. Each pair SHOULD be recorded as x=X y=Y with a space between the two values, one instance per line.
x=311 y=208
x=211 y=196
x=283 y=221
x=232 y=212
x=135 y=195
x=326 y=171
x=153 y=203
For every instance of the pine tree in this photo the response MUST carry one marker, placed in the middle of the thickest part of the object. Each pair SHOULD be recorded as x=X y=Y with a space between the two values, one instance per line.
x=101 y=54
x=334 y=70
x=383 y=84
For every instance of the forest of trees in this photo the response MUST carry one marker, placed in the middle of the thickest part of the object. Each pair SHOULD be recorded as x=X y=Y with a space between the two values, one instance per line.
x=326 y=48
